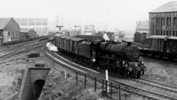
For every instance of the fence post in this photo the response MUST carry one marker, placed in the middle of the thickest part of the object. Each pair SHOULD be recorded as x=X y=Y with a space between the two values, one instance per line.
x=111 y=89
x=95 y=84
x=106 y=86
x=126 y=96
x=85 y=80
x=76 y=78
x=103 y=85
x=119 y=93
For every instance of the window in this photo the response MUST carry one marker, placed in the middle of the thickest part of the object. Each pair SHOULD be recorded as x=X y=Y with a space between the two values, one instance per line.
x=163 y=21
x=174 y=33
x=175 y=21
x=8 y=33
x=165 y=32
x=168 y=21
x=1 y=33
x=170 y=34
x=158 y=21
x=161 y=32
x=157 y=32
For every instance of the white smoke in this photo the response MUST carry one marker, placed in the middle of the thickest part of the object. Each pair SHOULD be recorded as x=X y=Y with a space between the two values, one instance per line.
x=105 y=37
x=51 y=47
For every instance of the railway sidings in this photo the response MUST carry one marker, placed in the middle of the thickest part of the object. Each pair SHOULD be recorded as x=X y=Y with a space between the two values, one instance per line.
x=119 y=88
x=142 y=88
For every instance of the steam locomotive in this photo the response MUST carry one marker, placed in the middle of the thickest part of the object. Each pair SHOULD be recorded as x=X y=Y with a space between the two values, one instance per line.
x=119 y=57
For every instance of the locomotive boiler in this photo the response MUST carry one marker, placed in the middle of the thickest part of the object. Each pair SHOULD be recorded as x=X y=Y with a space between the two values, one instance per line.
x=120 y=57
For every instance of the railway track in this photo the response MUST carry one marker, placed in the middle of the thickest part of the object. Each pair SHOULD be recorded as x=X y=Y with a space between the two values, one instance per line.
x=19 y=49
x=158 y=84
x=5 y=48
x=155 y=91
x=145 y=87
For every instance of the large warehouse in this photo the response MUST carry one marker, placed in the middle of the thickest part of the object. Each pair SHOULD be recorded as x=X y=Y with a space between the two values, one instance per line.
x=39 y=25
x=163 y=25
x=163 y=20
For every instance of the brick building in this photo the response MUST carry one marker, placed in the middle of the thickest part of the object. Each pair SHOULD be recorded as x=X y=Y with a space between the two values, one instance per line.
x=9 y=30
x=163 y=21
x=142 y=26
x=142 y=31
x=163 y=28
x=39 y=25
x=28 y=35
x=89 y=29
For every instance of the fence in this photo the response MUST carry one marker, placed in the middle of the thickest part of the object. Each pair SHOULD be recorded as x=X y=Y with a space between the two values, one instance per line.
x=113 y=90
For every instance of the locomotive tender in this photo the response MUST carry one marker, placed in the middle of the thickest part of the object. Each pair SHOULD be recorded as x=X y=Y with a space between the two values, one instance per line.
x=118 y=57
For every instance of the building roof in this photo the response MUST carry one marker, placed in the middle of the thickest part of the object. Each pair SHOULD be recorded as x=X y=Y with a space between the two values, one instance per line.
x=168 y=7
x=4 y=22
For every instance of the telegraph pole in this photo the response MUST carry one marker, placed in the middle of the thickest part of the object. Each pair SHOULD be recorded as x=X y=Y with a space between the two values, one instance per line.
x=59 y=27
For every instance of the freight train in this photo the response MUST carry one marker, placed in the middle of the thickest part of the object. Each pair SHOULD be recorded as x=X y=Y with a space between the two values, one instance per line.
x=119 y=57
x=157 y=46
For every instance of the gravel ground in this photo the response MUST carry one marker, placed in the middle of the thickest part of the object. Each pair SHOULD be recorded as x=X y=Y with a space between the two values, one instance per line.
x=59 y=87
x=12 y=72
x=161 y=71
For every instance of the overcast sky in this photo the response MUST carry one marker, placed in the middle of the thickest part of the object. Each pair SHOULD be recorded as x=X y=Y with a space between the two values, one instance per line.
x=121 y=14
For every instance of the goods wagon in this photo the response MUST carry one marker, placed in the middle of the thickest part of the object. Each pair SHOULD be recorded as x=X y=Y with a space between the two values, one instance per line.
x=159 y=46
x=140 y=37
x=90 y=37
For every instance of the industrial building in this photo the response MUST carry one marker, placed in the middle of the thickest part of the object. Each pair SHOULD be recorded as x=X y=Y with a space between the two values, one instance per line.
x=142 y=26
x=28 y=35
x=89 y=30
x=163 y=26
x=40 y=25
x=9 y=30
x=163 y=21
x=142 y=31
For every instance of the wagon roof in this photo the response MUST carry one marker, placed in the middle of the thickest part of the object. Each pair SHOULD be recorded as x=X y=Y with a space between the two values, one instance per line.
x=66 y=37
x=76 y=39
x=90 y=37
